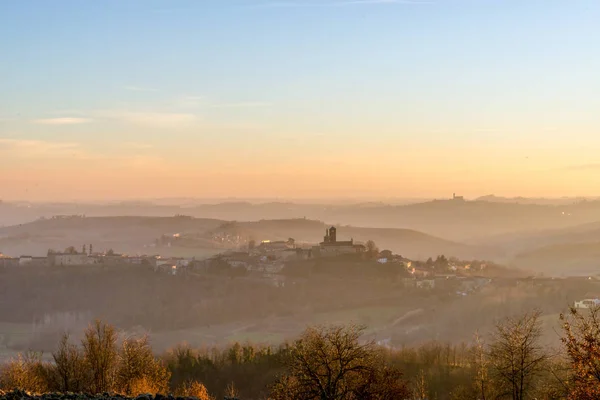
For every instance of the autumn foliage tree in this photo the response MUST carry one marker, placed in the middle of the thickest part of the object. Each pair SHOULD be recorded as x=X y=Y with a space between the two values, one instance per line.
x=26 y=372
x=582 y=342
x=192 y=388
x=138 y=371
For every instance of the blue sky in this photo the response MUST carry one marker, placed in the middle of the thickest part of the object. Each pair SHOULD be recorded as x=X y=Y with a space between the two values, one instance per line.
x=477 y=95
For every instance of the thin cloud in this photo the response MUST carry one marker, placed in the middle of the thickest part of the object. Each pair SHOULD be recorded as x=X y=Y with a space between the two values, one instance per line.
x=27 y=148
x=206 y=102
x=191 y=101
x=153 y=119
x=140 y=89
x=62 y=121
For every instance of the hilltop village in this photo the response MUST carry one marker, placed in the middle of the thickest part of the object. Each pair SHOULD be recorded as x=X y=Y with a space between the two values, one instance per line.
x=280 y=263
x=274 y=262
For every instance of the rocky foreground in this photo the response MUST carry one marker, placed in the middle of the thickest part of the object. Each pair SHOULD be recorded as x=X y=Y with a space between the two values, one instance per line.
x=21 y=395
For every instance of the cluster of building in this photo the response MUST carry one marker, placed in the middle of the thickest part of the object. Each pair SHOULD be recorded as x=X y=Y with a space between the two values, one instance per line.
x=85 y=258
x=461 y=285
x=264 y=261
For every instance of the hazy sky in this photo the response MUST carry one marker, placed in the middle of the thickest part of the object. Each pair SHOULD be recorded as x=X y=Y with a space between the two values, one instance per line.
x=298 y=98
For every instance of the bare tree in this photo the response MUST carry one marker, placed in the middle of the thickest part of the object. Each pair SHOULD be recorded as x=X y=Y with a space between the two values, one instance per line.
x=68 y=361
x=481 y=366
x=420 y=386
x=101 y=356
x=516 y=356
x=582 y=342
x=329 y=363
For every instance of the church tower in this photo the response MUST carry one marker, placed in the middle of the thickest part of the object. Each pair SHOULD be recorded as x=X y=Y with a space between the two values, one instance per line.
x=332 y=234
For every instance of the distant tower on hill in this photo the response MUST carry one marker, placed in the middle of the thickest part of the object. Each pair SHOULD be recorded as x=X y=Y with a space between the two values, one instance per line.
x=330 y=235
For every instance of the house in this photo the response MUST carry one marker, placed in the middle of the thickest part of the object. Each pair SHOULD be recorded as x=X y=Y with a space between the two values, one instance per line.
x=25 y=260
x=238 y=263
x=409 y=282
x=170 y=269
x=425 y=284
x=33 y=261
x=236 y=259
x=40 y=261
x=163 y=261
x=330 y=246
x=420 y=272
x=69 y=259
x=135 y=260
x=587 y=303
x=457 y=198
x=113 y=259
x=469 y=284
x=280 y=245
x=9 y=262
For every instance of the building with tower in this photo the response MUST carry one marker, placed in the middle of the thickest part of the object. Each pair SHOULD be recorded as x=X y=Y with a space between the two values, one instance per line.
x=330 y=246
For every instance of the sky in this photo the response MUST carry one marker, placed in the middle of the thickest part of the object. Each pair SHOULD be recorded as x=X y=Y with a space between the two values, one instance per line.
x=130 y=99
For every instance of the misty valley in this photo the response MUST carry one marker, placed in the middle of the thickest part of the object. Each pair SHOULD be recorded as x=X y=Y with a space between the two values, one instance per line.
x=202 y=282
x=299 y=200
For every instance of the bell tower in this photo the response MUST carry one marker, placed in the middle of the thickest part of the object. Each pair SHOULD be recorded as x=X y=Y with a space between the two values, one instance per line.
x=332 y=234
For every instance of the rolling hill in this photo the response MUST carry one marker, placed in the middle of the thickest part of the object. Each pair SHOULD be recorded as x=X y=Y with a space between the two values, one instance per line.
x=123 y=234
x=566 y=259
x=136 y=234
x=452 y=219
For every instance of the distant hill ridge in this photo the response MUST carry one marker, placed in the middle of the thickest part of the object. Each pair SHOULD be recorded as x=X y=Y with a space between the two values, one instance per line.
x=133 y=232
x=456 y=220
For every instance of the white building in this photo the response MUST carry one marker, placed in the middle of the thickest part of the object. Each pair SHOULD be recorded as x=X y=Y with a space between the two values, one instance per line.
x=25 y=260
x=587 y=303
x=63 y=259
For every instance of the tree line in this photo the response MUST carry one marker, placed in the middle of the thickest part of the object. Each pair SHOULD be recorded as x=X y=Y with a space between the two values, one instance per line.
x=329 y=362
